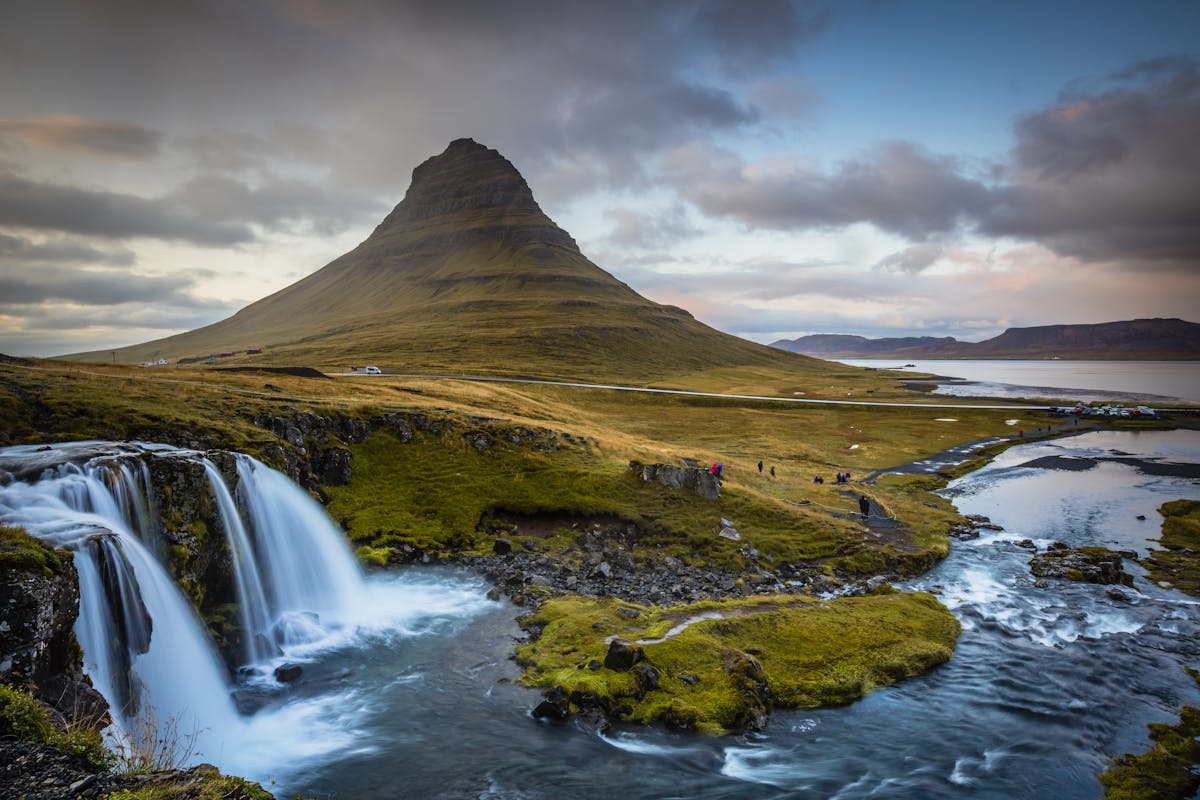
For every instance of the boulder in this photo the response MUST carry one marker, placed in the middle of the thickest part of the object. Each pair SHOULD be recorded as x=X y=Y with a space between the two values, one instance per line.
x=555 y=705
x=502 y=546
x=698 y=479
x=287 y=673
x=646 y=677
x=622 y=655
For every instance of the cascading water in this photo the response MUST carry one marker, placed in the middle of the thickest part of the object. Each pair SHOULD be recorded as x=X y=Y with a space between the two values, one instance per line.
x=141 y=640
x=307 y=568
x=299 y=591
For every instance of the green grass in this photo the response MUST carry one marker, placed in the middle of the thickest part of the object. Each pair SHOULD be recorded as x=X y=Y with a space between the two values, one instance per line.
x=24 y=719
x=1167 y=770
x=811 y=653
x=1178 y=560
x=21 y=552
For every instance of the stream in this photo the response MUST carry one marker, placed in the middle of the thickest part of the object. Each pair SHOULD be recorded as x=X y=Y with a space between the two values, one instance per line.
x=412 y=695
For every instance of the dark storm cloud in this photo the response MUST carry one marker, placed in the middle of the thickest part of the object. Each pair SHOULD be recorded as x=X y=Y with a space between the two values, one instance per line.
x=580 y=95
x=898 y=187
x=77 y=134
x=1111 y=174
x=45 y=206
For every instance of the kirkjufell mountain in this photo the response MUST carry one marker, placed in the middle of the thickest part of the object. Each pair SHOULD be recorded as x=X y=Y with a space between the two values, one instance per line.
x=467 y=273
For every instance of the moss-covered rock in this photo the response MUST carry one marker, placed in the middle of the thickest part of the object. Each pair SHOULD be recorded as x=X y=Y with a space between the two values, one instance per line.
x=721 y=666
x=1084 y=564
x=39 y=602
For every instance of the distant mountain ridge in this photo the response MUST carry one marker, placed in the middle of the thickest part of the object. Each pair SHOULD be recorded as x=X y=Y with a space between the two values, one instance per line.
x=1152 y=339
x=466 y=273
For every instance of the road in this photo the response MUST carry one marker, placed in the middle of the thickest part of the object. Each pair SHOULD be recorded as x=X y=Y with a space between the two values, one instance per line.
x=687 y=393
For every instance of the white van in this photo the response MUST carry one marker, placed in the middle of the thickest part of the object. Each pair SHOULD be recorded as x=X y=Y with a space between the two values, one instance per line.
x=372 y=371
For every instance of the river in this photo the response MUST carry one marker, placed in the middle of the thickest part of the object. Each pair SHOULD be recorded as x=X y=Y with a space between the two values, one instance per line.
x=416 y=698
x=1121 y=381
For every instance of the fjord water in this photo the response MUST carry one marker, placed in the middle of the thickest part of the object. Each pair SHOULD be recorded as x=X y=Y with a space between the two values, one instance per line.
x=411 y=696
x=1153 y=381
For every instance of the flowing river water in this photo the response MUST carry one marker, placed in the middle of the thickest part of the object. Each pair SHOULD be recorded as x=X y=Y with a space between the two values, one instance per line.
x=409 y=691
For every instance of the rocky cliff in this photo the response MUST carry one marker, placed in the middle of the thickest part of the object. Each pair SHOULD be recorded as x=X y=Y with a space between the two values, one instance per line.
x=39 y=603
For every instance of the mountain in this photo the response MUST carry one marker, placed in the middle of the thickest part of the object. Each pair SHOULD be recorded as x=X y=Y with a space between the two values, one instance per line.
x=1154 y=339
x=465 y=274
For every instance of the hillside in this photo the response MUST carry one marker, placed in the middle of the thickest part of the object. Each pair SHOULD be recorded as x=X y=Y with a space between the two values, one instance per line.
x=465 y=274
x=1157 y=339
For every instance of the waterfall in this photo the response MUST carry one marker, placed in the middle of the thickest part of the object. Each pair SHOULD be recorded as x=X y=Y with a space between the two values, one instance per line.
x=295 y=577
x=141 y=640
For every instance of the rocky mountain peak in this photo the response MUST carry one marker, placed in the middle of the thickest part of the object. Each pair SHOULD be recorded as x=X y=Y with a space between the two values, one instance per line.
x=465 y=177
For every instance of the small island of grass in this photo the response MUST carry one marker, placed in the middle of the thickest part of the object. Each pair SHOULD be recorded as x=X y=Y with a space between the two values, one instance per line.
x=720 y=666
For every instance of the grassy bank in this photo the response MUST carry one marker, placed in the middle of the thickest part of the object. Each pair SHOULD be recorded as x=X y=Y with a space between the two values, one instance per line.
x=1177 y=561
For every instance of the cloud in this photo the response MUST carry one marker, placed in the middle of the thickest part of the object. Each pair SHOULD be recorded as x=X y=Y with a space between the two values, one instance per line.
x=1108 y=174
x=911 y=260
x=274 y=203
x=46 y=206
x=897 y=186
x=16 y=250
x=81 y=135
x=636 y=229
x=1111 y=174
x=97 y=287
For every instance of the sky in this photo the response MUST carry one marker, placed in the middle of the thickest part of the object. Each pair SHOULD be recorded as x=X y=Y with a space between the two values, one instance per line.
x=878 y=168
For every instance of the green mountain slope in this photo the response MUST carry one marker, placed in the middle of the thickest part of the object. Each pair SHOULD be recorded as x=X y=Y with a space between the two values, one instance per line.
x=466 y=274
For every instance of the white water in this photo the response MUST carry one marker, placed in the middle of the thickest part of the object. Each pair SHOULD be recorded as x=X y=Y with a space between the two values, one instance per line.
x=296 y=581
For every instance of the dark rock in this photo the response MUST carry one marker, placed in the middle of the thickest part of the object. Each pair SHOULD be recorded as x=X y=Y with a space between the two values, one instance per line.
x=1118 y=595
x=594 y=665
x=698 y=479
x=333 y=466
x=622 y=655
x=287 y=673
x=479 y=440
x=1086 y=564
x=646 y=677
x=1027 y=544
x=36 y=636
x=76 y=700
x=1141 y=517
x=502 y=546
x=689 y=678
x=494 y=593
x=628 y=613
x=555 y=705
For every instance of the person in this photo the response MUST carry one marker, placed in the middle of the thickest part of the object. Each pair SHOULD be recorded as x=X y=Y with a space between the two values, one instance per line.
x=720 y=469
x=713 y=469
x=760 y=466
x=864 y=505
x=772 y=472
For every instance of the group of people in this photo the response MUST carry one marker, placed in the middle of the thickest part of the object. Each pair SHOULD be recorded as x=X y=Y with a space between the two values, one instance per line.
x=760 y=469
